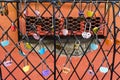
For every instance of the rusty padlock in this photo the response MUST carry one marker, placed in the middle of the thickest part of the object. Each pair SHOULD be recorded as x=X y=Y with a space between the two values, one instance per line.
x=76 y=45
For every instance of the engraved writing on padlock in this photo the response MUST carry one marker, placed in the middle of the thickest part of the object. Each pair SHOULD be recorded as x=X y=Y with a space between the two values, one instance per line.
x=66 y=70
x=7 y=63
x=76 y=45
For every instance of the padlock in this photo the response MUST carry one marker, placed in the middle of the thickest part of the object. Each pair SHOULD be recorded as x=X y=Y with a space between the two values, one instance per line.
x=13 y=28
x=93 y=46
x=59 y=47
x=6 y=10
x=1 y=11
x=59 y=3
x=81 y=15
x=46 y=72
x=76 y=45
x=95 y=30
x=89 y=13
x=65 y=32
x=28 y=46
x=26 y=67
x=66 y=70
x=117 y=42
x=36 y=36
x=86 y=34
x=103 y=69
x=7 y=62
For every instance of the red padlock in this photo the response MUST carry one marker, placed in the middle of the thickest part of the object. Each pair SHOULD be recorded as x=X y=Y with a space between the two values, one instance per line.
x=13 y=28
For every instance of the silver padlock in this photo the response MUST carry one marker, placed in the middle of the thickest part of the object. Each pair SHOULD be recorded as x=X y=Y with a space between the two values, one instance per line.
x=86 y=34
x=76 y=45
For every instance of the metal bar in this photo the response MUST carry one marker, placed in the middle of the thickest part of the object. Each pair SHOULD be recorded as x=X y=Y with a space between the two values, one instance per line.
x=114 y=51
x=53 y=24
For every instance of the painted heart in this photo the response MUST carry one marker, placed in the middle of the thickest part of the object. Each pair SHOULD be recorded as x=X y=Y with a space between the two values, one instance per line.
x=93 y=46
x=103 y=69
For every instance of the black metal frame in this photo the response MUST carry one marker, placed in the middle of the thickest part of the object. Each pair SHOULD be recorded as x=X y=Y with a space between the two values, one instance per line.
x=112 y=66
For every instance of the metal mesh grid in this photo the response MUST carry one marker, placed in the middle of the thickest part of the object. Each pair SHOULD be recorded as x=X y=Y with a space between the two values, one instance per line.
x=67 y=67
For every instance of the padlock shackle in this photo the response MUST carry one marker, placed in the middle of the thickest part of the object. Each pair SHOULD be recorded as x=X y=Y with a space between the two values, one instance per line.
x=86 y=27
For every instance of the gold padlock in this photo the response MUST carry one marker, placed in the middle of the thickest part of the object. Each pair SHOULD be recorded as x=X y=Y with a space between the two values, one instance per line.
x=66 y=70
x=76 y=45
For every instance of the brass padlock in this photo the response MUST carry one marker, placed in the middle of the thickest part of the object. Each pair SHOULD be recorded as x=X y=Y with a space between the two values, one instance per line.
x=76 y=45
x=5 y=11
